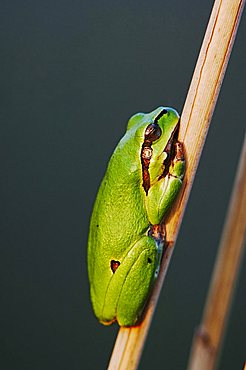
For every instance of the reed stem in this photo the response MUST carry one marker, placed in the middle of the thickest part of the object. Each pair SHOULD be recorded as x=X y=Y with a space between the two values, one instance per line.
x=209 y=336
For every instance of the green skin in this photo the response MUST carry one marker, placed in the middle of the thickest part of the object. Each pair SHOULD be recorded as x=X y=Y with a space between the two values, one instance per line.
x=127 y=231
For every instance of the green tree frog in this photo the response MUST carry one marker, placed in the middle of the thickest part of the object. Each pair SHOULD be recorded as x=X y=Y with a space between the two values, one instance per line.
x=127 y=229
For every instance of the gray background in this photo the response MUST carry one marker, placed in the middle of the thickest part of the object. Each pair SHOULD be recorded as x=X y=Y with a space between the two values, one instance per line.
x=72 y=72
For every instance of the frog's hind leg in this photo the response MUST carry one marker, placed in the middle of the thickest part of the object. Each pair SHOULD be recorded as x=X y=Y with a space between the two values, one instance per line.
x=139 y=276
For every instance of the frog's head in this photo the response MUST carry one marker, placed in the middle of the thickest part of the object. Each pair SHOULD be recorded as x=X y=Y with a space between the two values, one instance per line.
x=162 y=124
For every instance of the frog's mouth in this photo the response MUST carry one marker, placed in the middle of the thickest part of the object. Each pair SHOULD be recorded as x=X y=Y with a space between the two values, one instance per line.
x=146 y=154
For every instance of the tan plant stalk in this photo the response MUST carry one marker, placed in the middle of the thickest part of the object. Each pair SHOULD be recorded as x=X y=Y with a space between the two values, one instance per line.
x=209 y=336
x=195 y=120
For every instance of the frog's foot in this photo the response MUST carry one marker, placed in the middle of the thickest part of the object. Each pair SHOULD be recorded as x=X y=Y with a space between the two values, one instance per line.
x=177 y=167
x=158 y=233
x=179 y=151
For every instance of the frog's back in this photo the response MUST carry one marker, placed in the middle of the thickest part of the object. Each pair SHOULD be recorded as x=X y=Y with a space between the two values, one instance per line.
x=118 y=217
x=119 y=207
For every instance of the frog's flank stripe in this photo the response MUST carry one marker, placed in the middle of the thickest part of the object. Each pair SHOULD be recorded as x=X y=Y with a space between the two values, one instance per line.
x=145 y=160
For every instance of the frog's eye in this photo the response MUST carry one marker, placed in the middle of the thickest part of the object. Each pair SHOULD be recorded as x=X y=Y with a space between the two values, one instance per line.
x=152 y=132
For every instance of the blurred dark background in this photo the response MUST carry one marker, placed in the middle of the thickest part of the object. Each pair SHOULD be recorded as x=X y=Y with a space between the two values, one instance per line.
x=72 y=73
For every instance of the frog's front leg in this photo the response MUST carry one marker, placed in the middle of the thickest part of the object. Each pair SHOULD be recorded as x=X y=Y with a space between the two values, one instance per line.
x=164 y=191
